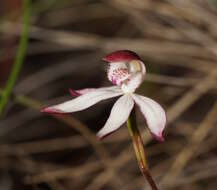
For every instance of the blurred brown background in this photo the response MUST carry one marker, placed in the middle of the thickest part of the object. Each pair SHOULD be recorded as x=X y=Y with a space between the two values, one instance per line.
x=177 y=39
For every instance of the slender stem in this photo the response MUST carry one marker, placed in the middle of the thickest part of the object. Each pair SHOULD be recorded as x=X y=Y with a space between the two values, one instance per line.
x=139 y=149
x=19 y=57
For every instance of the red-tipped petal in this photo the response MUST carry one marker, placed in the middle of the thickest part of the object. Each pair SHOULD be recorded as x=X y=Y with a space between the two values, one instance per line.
x=51 y=110
x=154 y=114
x=121 y=55
x=118 y=116
x=84 y=101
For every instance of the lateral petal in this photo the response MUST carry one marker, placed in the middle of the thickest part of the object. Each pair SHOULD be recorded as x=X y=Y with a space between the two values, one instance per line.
x=82 y=102
x=119 y=114
x=154 y=114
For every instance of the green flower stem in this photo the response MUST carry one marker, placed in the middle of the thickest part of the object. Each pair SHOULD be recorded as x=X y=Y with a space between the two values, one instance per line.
x=19 y=57
x=139 y=149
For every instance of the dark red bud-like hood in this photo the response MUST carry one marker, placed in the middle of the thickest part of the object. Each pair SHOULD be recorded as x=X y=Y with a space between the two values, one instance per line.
x=121 y=55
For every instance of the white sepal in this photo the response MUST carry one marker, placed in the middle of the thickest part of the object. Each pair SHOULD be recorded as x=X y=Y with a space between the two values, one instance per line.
x=154 y=114
x=84 y=101
x=118 y=116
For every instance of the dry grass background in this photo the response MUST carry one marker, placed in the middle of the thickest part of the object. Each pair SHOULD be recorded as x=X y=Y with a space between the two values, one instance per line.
x=177 y=41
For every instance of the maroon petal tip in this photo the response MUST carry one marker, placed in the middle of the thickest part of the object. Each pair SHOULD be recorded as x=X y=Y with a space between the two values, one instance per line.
x=50 y=110
x=74 y=93
x=104 y=136
x=121 y=55
x=99 y=138
x=159 y=138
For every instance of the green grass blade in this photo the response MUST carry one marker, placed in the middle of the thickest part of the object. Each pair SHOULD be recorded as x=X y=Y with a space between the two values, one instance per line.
x=20 y=56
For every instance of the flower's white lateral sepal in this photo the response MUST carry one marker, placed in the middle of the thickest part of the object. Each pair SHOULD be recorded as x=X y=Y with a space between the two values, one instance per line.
x=154 y=114
x=119 y=115
x=84 y=101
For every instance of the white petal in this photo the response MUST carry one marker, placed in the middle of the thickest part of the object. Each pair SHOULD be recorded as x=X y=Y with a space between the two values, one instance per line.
x=133 y=83
x=84 y=101
x=119 y=114
x=154 y=114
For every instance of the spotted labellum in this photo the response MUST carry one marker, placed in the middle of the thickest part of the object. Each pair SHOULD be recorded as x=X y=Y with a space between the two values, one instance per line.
x=126 y=71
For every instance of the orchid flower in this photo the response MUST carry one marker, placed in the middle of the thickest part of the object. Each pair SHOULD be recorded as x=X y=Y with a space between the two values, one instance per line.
x=126 y=71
